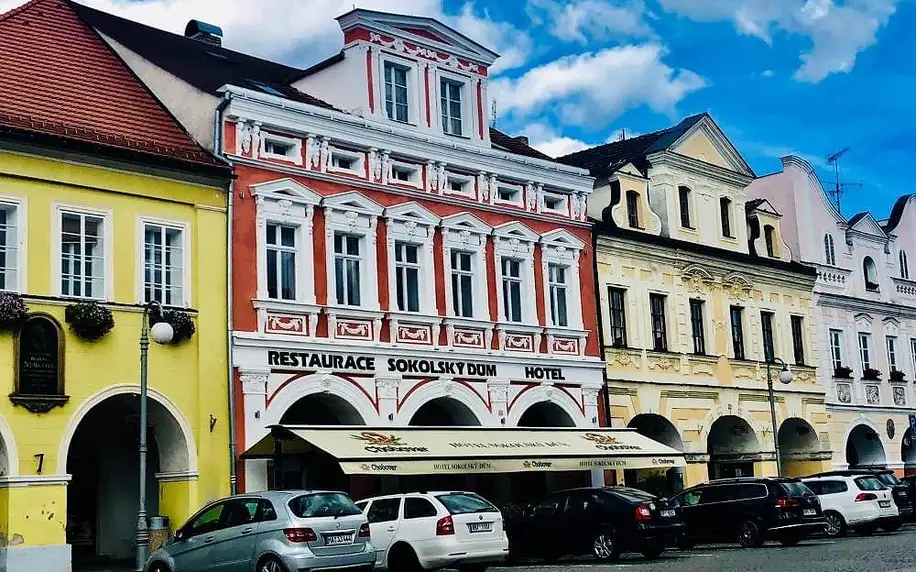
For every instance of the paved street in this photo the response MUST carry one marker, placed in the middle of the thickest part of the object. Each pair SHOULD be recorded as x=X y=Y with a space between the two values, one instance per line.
x=879 y=553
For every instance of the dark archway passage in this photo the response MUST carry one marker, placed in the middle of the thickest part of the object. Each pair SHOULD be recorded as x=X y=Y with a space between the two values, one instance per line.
x=661 y=482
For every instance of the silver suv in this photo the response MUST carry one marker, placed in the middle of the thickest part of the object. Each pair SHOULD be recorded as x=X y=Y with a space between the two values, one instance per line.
x=271 y=531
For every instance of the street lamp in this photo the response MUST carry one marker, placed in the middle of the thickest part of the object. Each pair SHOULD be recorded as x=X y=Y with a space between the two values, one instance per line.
x=161 y=333
x=785 y=377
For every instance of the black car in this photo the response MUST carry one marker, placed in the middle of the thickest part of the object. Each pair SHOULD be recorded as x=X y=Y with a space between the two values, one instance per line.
x=749 y=511
x=605 y=522
x=899 y=490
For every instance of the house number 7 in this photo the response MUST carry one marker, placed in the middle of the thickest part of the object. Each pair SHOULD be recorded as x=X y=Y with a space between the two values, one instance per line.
x=41 y=461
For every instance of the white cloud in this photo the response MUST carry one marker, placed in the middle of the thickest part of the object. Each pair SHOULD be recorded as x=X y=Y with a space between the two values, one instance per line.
x=584 y=20
x=594 y=88
x=838 y=29
x=546 y=140
x=513 y=45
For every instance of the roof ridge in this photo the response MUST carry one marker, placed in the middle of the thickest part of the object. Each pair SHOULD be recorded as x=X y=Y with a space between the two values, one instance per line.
x=28 y=5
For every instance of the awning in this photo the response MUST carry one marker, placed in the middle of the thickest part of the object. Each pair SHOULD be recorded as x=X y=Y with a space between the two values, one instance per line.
x=423 y=450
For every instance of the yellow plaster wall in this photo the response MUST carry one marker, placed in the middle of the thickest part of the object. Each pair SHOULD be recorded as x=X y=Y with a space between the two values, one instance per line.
x=700 y=148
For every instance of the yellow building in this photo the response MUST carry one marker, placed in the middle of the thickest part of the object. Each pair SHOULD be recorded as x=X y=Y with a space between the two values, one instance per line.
x=696 y=289
x=104 y=200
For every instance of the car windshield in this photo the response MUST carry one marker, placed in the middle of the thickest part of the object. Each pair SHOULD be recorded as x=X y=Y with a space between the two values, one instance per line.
x=888 y=478
x=465 y=503
x=869 y=484
x=323 y=504
x=795 y=488
x=635 y=495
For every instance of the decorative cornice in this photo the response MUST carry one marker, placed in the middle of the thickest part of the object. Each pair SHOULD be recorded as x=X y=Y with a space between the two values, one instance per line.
x=177 y=476
x=697 y=167
x=34 y=481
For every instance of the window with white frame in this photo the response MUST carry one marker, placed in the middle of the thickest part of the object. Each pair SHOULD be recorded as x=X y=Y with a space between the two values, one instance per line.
x=913 y=351
x=891 y=343
x=405 y=173
x=511 y=194
x=457 y=184
x=836 y=348
x=345 y=161
x=411 y=230
x=464 y=241
x=407 y=276
x=557 y=284
x=163 y=262
x=347 y=268
x=904 y=265
x=513 y=245
x=450 y=104
x=865 y=350
x=396 y=106
x=829 y=251
x=82 y=254
x=462 y=270
x=511 y=276
x=281 y=255
x=9 y=247
x=554 y=203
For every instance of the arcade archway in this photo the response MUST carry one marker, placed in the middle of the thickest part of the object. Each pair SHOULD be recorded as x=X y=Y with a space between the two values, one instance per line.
x=864 y=448
x=444 y=412
x=522 y=487
x=798 y=448
x=733 y=448
x=545 y=414
x=661 y=482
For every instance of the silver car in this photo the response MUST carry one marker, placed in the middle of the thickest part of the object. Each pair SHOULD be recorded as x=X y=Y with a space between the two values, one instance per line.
x=270 y=531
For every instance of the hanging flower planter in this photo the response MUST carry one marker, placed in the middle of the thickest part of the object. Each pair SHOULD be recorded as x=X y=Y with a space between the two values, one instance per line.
x=89 y=320
x=12 y=310
x=181 y=322
x=897 y=375
x=843 y=372
x=871 y=374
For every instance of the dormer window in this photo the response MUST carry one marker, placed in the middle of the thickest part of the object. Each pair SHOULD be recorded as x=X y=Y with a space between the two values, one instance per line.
x=904 y=266
x=272 y=147
x=633 y=209
x=555 y=204
x=396 y=92
x=870 y=272
x=340 y=162
x=829 y=251
x=450 y=103
x=406 y=173
x=725 y=213
x=769 y=236
x=346 y=161
x=460 y=185
x=684 y=203
x=509 y=194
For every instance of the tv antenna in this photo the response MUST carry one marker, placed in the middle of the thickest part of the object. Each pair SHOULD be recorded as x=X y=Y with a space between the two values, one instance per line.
x=839 y=187
x=493 y=108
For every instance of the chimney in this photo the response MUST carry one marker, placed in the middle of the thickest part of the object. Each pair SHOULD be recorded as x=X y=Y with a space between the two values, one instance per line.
x=204 y=32
x=523 y=139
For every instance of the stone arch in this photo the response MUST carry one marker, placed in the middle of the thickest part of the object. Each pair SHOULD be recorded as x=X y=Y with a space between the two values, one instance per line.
x=545 y=414
x=9 y=453
x=322 y=409
x=731 y=435
x=658 y=428
x=325 y=384
x=177 y=451
x=451 y=390
x=444 y=411
x=548 y=397
x=797 y=438
x=864 y=447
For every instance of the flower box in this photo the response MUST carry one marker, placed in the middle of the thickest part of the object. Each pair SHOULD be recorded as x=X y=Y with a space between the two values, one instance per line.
x=871 y=374
x=897 y=375
x=843 y=372
x=89 y=320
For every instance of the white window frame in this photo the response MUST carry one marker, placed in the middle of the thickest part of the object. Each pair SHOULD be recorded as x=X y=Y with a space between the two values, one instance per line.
x=864 y=362
x=563 y=209
x=412 y=223
x=18 y=205
x=467 y=182
x=185 y=230
x=563 y=248
x=466 y=232
x=287 y=202
x=56 y=248
x=413 y=88
x=358 y=158
x=279 y=248
x=517 y=241
x=518 y=189
x=552 y=285
x=345 y=257
x=415 y=173
x=467 y=115
x=354 y=214
x=295 y=148
x=839 y=347
x=890 y=347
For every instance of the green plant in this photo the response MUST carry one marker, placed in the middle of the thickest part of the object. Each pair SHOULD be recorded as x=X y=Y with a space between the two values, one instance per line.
x=12 y=310
x=89 y=320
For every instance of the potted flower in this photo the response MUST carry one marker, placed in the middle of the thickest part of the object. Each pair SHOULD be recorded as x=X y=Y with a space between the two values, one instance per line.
x=842 y=372
x=90 y=320
x=12 y=310
x=181 y=322
x=897 y=375
x=871 y=374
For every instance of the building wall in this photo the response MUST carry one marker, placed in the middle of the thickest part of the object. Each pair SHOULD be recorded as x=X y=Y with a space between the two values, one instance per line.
x=187 y=381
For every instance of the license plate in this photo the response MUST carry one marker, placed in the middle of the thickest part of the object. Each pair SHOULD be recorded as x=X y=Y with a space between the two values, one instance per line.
x=480 y=527
x=809 y=512
x=667 y=514
x=884 y=504
x=337 y=539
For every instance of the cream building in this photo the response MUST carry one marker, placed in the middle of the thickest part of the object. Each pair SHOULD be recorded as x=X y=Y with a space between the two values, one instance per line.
x=696 y=286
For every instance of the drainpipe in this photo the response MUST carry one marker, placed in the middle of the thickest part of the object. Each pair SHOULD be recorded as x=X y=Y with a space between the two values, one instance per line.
x=230 y=190
x=606 y=393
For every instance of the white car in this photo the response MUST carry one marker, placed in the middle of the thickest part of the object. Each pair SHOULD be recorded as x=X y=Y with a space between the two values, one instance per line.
x=861 y=503
x=432 y=530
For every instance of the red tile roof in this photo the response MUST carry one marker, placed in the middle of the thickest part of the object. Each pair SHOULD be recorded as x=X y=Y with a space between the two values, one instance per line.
x=58 y=78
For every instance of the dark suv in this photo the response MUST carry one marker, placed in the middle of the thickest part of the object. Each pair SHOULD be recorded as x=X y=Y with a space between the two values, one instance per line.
x=899 y=490
x=749 y=511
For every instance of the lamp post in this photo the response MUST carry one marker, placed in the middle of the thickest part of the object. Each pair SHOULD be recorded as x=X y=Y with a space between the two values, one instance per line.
x=162 y=334
x=785 y=377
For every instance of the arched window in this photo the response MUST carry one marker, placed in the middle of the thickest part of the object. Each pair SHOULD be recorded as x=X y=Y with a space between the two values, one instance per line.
x=633 y=208
x=683 y=194
x=871 y=274
x=769 y=235
x=725 y=211
x=829 y=252
x=904 y=265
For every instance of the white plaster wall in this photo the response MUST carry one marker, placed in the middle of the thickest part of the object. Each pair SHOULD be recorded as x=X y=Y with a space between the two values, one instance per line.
x=343 y=84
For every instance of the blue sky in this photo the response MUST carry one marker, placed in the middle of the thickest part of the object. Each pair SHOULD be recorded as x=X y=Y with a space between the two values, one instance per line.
x=807 y=77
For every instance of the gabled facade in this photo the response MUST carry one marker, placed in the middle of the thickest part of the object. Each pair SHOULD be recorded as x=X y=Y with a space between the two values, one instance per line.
x=697 y=289
x=865 y=299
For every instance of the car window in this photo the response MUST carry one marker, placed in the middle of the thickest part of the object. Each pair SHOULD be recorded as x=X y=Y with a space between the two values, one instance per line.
x=383 y=510
x=323 y=504
x=576 y=505
x=267 y=511
x=831 y=487
x=361 y=505
x=796 y=488
x=817 y=487
x=691 y=498
x=418 y=508
x=869 y=484
x=715 y=494
x=635 y=495
x=548 y=506
x=746 y=491
x=239 y=512
x=465 y=503
x=207 y=521
x=888 y=478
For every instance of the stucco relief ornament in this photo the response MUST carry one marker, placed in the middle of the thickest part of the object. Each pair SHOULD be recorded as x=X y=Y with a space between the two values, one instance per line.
x=314 y=152
x=386 y=168
x=433 y=176
x=483 y=188
x=872 y=395
x=441 y=180
x=325 y=159
x=375 y=166
x=256 y=141
x=530 y=197
x=843 y=393
x=574 y=207
x=243 y=137
x=583 y=212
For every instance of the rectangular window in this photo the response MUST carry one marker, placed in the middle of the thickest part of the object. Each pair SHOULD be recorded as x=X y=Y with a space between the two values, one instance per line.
x=725 y=213
x=407 y=276
x=462 y=283
x=633 y=209
x=696 y=324
x=163 y=258
x=396 y=92
x=891 y=342
x=509 y=194
x=556 y=278
x=836 y=348
x=512 y=289
x=347 y=261
x=9 y=248
x=342 y=162
x=274 y=147
x=82 y=255
x=865 y=351
x=913 y=351
x=684 y=199
x=450 y=102
x=766 y=325
x=737 y=316
x=618 y=317
x=798 y=340
x=659 y=327
x=281 y=262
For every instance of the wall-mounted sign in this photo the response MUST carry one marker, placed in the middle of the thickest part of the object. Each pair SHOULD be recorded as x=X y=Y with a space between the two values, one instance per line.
x=39 y=385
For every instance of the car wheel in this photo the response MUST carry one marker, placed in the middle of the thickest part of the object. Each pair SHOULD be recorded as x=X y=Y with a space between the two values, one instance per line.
x=653 y=552
x=270 y=564
x=790 y=540
x=605 y=547
x=749 y=534
x=835 y=526
x=158 y=567
x=891 y=526
x=402 y=557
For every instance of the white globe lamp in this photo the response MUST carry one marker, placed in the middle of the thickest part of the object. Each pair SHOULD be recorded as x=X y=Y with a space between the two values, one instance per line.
x=785 y=376
x=162 y=332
